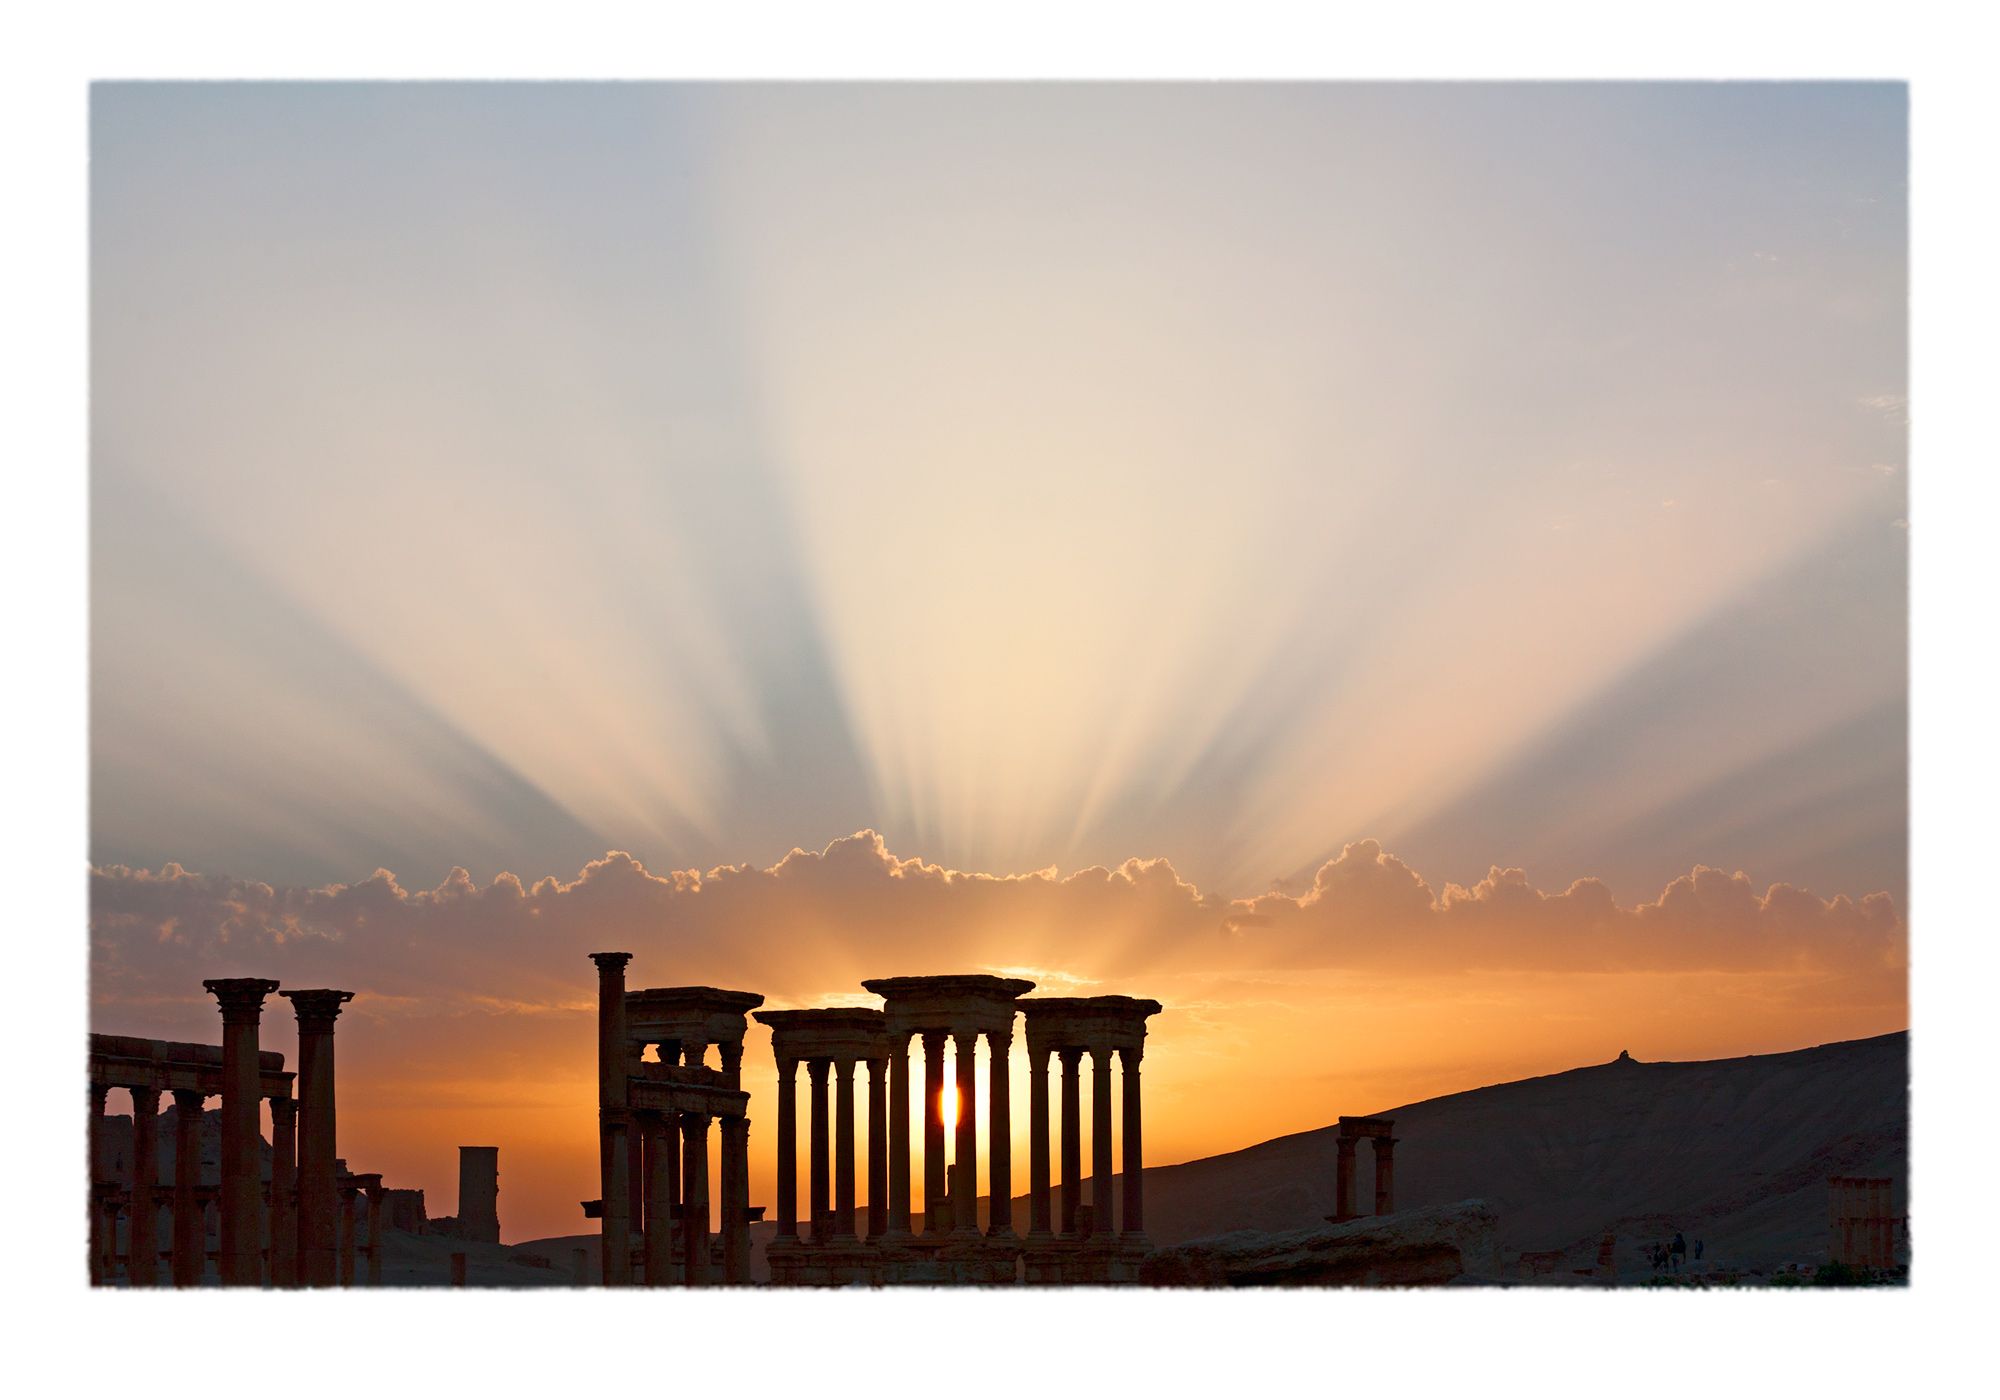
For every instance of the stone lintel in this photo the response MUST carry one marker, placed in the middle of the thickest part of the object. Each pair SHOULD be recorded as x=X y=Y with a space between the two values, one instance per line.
x=827 y=1033
x=367 y=1181
x=950 y=1003
x=650 y=1094
x=685 y=1015
x=1352 y=1127
x=1068 y=1023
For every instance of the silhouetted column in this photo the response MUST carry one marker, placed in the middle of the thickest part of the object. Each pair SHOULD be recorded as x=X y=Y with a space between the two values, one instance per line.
x=349 y=1194
x=821 y=1204
x=284 y=1193
x=659 y=1150
x=242 y=1001
x=1038 y=1141
x=1385 y=1176
x=899 y=1138
x=788 y=1150
x=878 y=1149
x=1343 y=1179
x=735 y=1200
x=1100 y=1139
x=843 y=1151
x=142 y=1255
x=319 y=1204
x=965 y=1204
x=1072 y=1137
x=99 y=1094
x=934 y=1179
x=1132 y=1153
x=694 y=1210
x=1000 y=1134
x=188 y=1231
x=613 y=1151
x=372 y=1188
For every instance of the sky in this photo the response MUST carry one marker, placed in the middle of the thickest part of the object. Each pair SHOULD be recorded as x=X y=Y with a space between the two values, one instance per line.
x=1411 y=576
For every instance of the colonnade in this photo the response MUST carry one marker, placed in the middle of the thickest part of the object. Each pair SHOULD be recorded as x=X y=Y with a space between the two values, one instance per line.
x=655 y=1118
x=286 y=1233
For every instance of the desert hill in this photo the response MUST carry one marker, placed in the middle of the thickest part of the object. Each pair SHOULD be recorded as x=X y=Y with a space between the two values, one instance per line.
x=1734 y=1152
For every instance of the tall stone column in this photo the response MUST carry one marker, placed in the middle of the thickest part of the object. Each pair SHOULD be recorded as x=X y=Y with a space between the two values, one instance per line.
x=735 y=1200
x=319 y=1265
x=1385 y=1176
x=694 y=1210
x=1038 y=1141
x=659 y=1149
x=188 y=1226
x=284 y=1193
x=933 y=1042
x=613 y=1149
x=999 y=1134
x=788 y=1150
x=878 y=1148
x=1072 y=1137
x=899 y=1138
x=350 y=1193
x=965 y=1203
x=822 y=1187
x=242 y=1001
x=372 y=1188
x=142 y=1255
x=1343 y=1179
x=843 y=1151
x=99 y=1094
x=1100 y=1139
x=1133 y=1152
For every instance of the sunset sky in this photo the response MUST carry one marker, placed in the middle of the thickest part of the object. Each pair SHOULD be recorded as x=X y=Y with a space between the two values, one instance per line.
x=1411 y=577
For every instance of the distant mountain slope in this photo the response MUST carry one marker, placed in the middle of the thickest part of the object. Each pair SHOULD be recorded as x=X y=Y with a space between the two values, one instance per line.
x=1734 y=1152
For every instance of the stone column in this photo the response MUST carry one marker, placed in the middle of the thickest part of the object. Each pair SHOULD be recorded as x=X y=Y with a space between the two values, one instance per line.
x=1038 y=1141
x=1100 y=1139
x=843 y=1151
x=965 y=1203
x=1132 y=1153
x=284 y=1193
x=820 y=1205
x=242 y=1001
x=613 y=1151
x=694 y=1209
x=788 y=1150
x=349 y=1194
x=899 y=1138
x=318 y=1200
x=878 y=1148
x=1343 y=1179
x=659 y=1150
x=188 y=1231
x=1385 y=1176
x=735 y=1200
x=99 y=1093
x=934 y=1180
x=999 y=1134
x=373 y=1190
x=1072 y=1137
x=142 y=1255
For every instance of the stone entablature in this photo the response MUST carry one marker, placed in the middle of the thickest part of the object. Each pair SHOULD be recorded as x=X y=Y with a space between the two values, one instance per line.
x=682 y=1022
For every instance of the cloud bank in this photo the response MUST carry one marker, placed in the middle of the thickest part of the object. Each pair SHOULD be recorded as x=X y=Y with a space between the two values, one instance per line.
x=814 y=923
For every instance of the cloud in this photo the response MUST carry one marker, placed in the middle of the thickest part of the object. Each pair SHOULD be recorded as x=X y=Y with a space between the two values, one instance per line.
x=820 y=919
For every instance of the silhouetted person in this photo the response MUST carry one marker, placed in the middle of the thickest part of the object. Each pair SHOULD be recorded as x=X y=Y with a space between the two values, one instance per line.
x=1697 y=1251
x=1679 y=1250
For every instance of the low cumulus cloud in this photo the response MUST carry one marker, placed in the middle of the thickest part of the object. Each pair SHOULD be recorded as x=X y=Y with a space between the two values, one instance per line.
x=812 y=925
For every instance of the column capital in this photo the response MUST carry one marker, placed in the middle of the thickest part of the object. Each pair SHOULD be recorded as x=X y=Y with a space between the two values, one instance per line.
x=242 y=998
x=1069 y=1055
x=283 y=1108
x=817 y=1067
x=608 y=963
x=1129 y=1057
x=186 y=1099
x=99 y=1093
x=317 y=1007
x=933 y=1040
